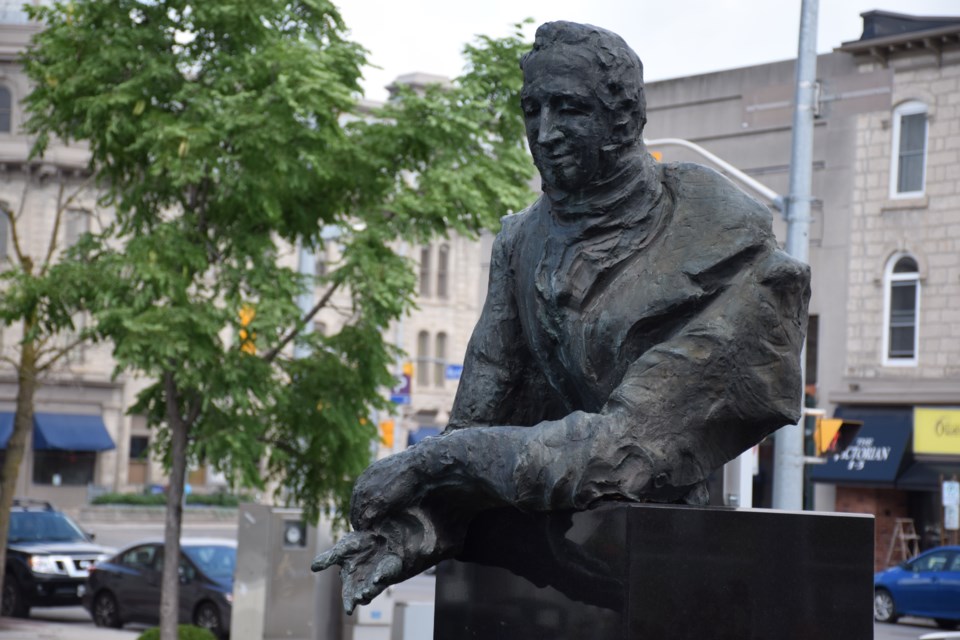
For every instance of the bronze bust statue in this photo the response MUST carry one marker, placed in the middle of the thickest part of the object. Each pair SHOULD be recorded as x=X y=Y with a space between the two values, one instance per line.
x=641 y=329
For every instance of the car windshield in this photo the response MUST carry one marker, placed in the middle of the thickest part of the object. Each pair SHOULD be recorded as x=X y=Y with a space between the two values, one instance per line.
x=217 y=561
x=46 y=526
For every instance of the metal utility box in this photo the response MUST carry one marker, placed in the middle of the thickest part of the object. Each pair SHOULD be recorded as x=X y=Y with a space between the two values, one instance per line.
x=273 y=592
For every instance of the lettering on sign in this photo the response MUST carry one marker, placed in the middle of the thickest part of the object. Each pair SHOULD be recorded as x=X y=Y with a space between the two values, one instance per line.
x=946 y=428
x=861 y=452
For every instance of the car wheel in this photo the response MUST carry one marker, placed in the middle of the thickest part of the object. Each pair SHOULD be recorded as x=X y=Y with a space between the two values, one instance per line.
x=946 y=624
x=884 y=609
x=13 y=604
x=106 y=611
x=207 y=616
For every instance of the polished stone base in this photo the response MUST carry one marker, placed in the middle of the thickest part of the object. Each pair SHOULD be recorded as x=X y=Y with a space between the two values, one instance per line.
x=652 y=571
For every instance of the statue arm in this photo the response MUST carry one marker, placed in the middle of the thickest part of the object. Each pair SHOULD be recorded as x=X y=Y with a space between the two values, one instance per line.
x=686 y=406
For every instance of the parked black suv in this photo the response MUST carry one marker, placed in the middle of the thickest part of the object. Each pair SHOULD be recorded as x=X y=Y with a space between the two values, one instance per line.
x=48 y=559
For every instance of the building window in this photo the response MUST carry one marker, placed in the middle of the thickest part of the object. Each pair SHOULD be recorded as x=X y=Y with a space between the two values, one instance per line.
x=909 y=155
x=76 y=223
x=4 y=236
x=138 y=459
x=901 y=311
x=6 y=110
x=423 y=359
x=73 y=468
x=440 y=360
x=425 y=271
x=443 y=268
x=77 y=353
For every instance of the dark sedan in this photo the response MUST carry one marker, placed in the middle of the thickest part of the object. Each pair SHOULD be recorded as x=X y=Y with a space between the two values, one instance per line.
x=126 y=588
x=927 y=586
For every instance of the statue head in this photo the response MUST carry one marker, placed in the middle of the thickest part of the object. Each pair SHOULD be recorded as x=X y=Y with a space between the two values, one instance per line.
x=583 y=103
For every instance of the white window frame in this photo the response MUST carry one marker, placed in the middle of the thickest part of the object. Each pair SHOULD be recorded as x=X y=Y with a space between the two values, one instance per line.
x=889 y=277
x=909 y=108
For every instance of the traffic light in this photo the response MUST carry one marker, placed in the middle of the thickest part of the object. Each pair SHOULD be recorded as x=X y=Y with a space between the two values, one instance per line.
x=386 y=433
x=832 y=435
x=247 y=338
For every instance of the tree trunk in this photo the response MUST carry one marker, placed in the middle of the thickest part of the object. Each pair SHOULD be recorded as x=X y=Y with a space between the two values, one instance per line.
x=22 y=424
x=170 y=585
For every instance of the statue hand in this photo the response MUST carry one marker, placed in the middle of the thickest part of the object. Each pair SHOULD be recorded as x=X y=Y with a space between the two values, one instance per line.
x=395 y=549
x=367 y=566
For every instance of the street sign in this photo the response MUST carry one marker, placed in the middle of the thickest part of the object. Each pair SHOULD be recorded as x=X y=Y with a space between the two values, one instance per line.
x=951 y=493
x=453 y=371
x=400 y=394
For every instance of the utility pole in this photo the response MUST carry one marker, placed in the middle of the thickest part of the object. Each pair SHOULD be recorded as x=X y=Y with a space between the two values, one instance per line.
x=788 y=451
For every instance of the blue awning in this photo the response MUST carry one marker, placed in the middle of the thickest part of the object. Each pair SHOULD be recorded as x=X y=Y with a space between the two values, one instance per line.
x=70 y=432
x=878 y=452
x=6 y=428
x=927 y=476
x=423 y=432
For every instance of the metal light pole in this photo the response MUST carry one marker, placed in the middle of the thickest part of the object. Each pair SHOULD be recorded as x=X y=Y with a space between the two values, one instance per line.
x=788 y=451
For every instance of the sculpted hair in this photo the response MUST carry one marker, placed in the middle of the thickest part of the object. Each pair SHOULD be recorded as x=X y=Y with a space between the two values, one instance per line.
x=620 y=85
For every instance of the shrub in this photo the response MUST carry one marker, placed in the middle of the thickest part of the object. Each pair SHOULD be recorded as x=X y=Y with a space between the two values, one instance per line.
x=220 y=499
x=137 y=499
x=184 y=632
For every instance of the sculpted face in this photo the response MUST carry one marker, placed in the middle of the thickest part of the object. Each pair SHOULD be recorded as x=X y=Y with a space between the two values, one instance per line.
x=566 y=123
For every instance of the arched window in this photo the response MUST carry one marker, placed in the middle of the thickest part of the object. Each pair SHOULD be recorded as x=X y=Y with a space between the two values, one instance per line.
x=6 y=110
x=901 y=311
x=425 y=271
x=909 y=155
x=443 y=269
x=423 y=359
x=440 y=360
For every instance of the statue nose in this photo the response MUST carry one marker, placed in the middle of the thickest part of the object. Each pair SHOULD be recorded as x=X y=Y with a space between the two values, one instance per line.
x=548 y=133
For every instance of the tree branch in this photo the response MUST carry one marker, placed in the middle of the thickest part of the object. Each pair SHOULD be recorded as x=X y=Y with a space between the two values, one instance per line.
x=62 y=206
x=271 y=355
x=59 y=354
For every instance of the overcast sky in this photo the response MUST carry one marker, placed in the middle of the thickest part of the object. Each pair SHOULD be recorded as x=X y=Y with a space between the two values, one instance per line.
x=673 y=37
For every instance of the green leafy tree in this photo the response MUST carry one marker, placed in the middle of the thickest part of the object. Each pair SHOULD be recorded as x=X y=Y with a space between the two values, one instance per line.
x=226 y=134
x=41 y=287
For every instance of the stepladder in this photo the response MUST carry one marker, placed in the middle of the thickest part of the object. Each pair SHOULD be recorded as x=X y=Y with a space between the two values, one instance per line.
x=904 y=541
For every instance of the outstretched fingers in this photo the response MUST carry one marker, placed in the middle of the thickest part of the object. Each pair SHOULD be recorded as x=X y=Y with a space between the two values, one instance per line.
x=344 y=551
x=366 y=581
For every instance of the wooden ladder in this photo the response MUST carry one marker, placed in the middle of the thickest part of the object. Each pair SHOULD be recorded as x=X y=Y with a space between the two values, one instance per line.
x=904 y=543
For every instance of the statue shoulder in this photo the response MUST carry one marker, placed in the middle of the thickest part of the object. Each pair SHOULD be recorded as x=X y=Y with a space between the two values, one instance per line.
x=512 y=225
x=704 y=192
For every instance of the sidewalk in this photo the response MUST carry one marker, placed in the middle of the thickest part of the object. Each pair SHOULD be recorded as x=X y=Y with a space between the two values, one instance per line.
x=30 y=629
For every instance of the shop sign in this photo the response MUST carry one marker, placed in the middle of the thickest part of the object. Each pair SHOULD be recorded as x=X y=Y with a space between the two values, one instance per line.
x=936 y=430
x=863 y=451
x=951 y=518
x=951 y=493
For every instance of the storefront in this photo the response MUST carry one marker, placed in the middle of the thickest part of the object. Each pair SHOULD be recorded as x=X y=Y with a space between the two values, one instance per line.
x=62 y=455
x=892 y=470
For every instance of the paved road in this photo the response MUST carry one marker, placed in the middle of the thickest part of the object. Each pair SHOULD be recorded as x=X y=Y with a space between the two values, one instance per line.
x=907 y=628
x=73 y=623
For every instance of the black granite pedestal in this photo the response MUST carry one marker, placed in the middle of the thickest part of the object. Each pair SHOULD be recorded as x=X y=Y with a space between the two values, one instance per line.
x=660 y=572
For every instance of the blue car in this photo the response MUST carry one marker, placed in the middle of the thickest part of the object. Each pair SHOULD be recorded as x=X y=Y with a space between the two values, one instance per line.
x=927 y=586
